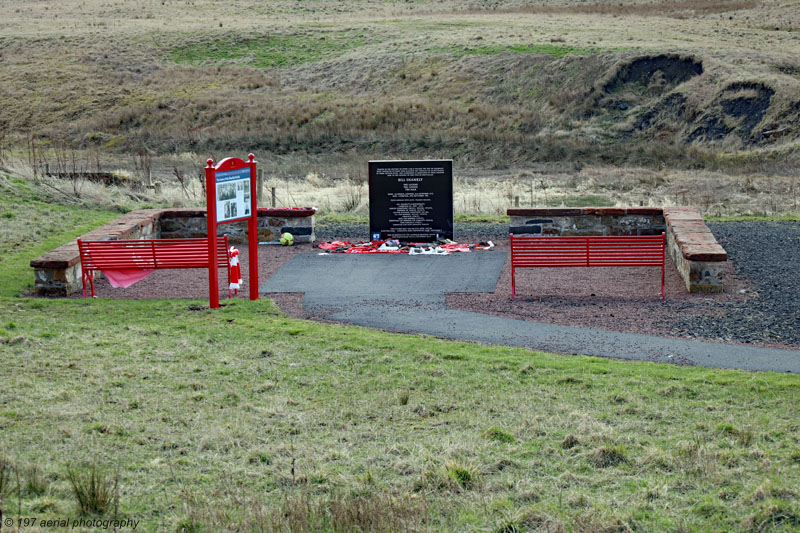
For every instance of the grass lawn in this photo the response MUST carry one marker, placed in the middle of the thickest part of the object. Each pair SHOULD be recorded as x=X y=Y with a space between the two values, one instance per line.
x=244 y=419
x=32 y=222
x=273 y=51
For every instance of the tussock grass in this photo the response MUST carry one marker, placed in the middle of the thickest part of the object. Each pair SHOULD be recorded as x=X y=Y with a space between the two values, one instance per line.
x=35 y=482
x=305 y=512
x=680 y=9
x=461 y=475
x=607 y=456
x=498 y=435
x=554 y=50
x=775 y=516
x=528 y=520
x=570 y=441
x=93 y=488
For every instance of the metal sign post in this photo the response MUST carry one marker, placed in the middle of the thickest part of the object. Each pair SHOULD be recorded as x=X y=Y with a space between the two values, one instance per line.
x=231 y=197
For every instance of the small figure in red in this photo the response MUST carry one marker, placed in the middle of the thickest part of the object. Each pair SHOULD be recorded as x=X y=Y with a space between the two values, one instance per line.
x=236 y=273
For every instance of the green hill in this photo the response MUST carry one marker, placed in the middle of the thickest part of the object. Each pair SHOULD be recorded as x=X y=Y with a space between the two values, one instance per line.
x=492 y=84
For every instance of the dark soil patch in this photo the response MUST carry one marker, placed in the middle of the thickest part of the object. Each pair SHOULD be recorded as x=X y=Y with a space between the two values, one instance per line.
x=638 y=86
x=789 y=70
x=655 y=74
x=738 y=110
x=711 y=128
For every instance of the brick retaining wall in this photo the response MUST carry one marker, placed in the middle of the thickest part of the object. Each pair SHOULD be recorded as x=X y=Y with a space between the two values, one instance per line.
x=58 y=272
x=693 y=248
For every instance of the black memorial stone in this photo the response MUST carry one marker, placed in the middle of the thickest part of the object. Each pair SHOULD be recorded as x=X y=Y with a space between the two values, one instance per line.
x=411 y=200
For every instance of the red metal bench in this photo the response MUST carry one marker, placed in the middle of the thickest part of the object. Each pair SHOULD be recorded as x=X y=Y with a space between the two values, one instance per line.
x=148 y=254
x=592 y=251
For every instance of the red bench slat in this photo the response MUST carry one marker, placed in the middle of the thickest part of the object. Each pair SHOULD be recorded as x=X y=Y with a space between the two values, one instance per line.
x=589 y=251
x=148 y=254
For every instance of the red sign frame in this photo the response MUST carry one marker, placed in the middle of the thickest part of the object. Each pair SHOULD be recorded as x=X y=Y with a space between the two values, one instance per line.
x=226 y=165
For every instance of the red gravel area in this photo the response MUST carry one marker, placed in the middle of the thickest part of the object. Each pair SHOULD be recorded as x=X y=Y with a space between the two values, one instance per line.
x=193 y=283
x=619 y=299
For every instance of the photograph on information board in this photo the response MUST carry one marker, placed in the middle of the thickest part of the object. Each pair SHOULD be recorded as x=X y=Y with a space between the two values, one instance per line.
x=233 y=194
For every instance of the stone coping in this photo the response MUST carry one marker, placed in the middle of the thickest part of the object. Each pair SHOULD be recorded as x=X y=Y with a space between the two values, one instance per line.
x=134 y=223
x=693 y=238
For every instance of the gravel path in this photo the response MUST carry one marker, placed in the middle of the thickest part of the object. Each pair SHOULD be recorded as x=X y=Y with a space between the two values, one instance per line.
x=766 y=255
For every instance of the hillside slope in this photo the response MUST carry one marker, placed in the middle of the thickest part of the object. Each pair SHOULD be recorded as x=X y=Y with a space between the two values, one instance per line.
x=490 y=84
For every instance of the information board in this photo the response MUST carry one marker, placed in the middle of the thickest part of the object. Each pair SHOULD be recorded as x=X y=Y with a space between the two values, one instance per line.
x=233 y=194
x=411 y=200
x=230 y=196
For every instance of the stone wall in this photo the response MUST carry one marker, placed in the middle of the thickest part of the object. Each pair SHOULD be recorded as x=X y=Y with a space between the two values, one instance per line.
x=698 y=257
x=587 y=221
x=181 y=223
x=58 y=272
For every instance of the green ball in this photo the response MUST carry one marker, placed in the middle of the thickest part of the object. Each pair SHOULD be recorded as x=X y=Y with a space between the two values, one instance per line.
x=287 y=239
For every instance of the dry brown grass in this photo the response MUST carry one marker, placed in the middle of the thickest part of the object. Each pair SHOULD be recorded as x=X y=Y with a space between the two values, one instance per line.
x=100 y=76
x=337 y=186
x=303 y=512
x=651 y=9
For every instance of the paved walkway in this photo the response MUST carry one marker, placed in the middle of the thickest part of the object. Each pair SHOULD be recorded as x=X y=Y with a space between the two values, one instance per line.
x=407 y=294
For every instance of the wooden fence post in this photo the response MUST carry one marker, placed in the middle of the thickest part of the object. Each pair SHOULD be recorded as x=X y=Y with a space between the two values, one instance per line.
x=260 y=183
